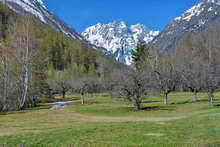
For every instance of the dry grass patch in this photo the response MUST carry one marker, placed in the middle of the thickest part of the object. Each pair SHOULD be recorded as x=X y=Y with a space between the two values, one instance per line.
x=154 y=134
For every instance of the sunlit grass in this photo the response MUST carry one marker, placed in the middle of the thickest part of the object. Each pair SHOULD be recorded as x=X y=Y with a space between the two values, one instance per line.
x=104 y=121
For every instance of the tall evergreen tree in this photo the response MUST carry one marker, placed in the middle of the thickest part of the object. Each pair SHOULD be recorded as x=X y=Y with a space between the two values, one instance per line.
x=140 y=54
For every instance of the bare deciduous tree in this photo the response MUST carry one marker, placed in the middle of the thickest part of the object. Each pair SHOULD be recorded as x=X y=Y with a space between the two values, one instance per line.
x=188 y=59
x=86 y=84
x=133 y=86
x=61 y=87
x=193 y=80
x=208 y=44
x=166 y=78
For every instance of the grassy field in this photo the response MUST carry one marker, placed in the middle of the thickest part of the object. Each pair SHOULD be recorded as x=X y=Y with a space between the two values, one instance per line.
x=107 y=122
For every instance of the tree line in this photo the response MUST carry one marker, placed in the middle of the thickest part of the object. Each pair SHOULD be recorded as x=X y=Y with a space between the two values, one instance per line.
x=33 y=54
x=36 y=61
x=194 y=67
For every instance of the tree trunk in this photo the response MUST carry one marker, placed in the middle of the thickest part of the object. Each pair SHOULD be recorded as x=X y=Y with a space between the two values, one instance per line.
x=25 y=73
x=25 y=85
x=5 y=85
x=137 y=102
x=137 y=105
x=211 y=97
x=194 y=96
x=64 y=94
x=82 y=99
x=165 y=99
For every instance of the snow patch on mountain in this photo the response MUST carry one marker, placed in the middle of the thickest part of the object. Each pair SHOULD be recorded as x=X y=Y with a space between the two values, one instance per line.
x=40 y=11
x=197 y=9
x=42 y=3
x=214 y=1
x=118 y=38
x=202 y=16
x=28 y=6
x=194 y=11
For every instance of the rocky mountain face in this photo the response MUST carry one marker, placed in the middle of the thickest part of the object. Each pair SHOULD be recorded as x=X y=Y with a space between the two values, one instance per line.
x=118 y=38
x=39 y=10
x=204 y=15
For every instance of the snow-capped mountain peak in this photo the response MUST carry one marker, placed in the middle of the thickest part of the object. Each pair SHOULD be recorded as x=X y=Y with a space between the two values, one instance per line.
x=41 y=2
x=119 y=23
x=194 y=11
x=197 y=9
x=31 y=6
x=202 y=16
x=138 y=28
x=118 y=38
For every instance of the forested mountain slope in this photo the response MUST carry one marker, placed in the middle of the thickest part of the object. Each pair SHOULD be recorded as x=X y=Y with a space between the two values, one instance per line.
x=31 y=53
x=40 y=11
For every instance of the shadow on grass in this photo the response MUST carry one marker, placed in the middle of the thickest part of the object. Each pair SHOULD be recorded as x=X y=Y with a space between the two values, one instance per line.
x=216 y=105
x=153 y=101
x=207 y=100
x=212 y=144
x=38 y=106
x=153 y=108
x=67 y=99
x=183 y=102
x=190 y=101
x=12 y=112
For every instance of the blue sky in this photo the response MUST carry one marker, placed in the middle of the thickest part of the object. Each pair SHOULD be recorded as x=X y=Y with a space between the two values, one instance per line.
x=80 y=14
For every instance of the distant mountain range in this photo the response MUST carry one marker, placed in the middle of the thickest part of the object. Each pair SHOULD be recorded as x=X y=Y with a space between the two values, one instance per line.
x=202 y=16
x=118 y=38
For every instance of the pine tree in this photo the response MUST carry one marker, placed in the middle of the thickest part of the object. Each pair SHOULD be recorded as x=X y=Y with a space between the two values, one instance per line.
x=139 y=55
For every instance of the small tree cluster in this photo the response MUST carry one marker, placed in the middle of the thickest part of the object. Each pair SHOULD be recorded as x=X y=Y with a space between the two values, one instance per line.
x=198 y=60
x=166 y=79
x=195 y=67
x=86 y=84
x=133 y=87
x=82 y=85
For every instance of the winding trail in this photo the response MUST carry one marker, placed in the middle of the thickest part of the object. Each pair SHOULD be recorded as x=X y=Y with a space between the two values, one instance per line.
x=91 y=118
x=46 y=119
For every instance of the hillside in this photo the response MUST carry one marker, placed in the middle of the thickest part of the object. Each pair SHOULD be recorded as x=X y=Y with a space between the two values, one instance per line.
x=201 y=17
x=41 y=13
x=54 y=43
x=36 y=53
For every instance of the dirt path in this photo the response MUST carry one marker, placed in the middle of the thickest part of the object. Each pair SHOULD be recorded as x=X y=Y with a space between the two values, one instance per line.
x=93 y=118
x=46 y=119
x=90 y=118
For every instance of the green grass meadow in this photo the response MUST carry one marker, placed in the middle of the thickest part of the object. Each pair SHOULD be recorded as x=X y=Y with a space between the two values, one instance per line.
x=108 y=122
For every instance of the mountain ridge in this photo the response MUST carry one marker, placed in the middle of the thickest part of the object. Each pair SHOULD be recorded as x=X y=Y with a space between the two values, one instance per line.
x=40 y=11
x=202 y=16
x=118 y=38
